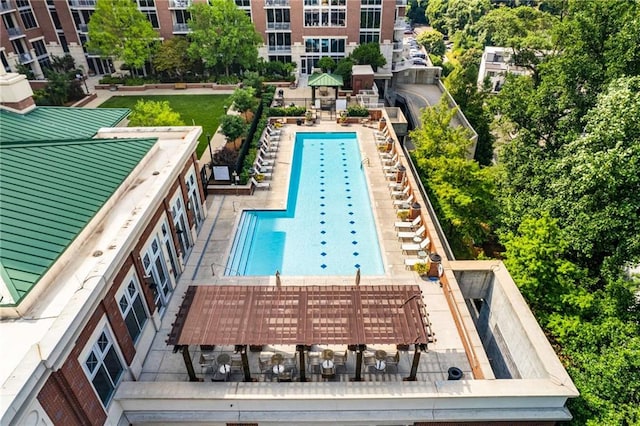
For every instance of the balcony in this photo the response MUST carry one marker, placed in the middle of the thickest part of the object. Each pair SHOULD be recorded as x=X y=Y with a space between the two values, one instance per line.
x=276 y=3
x=180 y=28
x=397 y=46
x=83 y=4
x=14 y=33
x=25 y=58
x=401 y=2
x=279 y=49
x=179 y=4
x=278 y=26
x=83 y=28
x=6 y=6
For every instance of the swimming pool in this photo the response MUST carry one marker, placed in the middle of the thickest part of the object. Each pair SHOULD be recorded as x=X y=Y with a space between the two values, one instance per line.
x=328 y=227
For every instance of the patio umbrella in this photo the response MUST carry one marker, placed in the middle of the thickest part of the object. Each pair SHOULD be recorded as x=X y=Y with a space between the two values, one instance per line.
x=358 y=277
x=278 y=282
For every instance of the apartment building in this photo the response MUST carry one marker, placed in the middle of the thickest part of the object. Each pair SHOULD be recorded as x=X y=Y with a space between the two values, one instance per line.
x=299 y=31
x=496 y=63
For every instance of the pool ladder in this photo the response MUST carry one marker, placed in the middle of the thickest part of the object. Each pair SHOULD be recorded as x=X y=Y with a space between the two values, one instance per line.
x=366 y=160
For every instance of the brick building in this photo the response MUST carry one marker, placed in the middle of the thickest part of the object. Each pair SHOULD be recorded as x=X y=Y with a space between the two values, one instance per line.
x=97 y=223
x=299 y=31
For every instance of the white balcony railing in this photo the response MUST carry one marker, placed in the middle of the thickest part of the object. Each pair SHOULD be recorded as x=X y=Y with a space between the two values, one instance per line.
x=272 y=3
x=180 y=28
x=14 y=32
x=279 y=49
x=278 y=26
x=179 y=4
x=25 y=58
x=6 y=6
x=83 y=3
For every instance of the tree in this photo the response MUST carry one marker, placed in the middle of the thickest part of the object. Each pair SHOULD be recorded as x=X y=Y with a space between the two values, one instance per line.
x=172 y=57
x=416 y=11
x=117 y=29
x=462 y=14
x=596 y=181
x=244 y=100
x=344 y=69
x=435 y=11
x=327 y=64
x=368 y=54
x=463 y=192
x=233 y=127
x=223 y=35
x=433 y=42
x=152 y=113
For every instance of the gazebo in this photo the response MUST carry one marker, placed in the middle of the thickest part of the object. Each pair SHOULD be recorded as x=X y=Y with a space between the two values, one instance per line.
x=245 y=316
x=324 y=80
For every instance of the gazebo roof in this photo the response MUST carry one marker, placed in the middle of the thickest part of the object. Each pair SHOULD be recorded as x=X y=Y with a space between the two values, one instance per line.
x=300 y=315
x=325 y=79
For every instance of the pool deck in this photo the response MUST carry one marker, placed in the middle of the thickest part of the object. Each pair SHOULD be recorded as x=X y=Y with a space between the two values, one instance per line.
x=206 y=263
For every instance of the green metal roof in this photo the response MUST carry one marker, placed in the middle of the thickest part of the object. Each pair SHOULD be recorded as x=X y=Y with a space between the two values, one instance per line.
x=325 y=79
x=57 y=123
x=49 y=191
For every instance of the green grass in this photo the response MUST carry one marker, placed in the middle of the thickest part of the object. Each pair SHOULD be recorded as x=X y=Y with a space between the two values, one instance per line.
x=201 y=110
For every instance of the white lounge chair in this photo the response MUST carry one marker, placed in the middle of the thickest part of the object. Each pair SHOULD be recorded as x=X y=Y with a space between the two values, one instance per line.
x=403 y=193
x=402 y=203
x=260 y=185
x=392 y=168
x=408 y=225
x=403 y=235
x=262 y=167
x=421 y=246
x=263 y=162
x=390 y=161
x=412 y=261
x=387 y=155
x=270 y=146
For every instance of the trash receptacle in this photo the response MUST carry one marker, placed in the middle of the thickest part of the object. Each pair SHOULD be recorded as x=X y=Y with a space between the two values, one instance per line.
x=434 y=266
x=414 y=211
x=454 y=373
x=400 y=173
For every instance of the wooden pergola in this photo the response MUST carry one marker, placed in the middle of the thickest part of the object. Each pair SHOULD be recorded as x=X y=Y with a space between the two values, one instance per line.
x=245 y=316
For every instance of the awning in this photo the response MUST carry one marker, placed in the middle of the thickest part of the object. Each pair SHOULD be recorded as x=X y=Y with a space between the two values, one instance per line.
x=300 y=315
x=325 y=79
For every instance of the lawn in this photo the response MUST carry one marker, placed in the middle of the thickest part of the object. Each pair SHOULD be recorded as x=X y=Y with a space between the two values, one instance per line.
x=201 y=110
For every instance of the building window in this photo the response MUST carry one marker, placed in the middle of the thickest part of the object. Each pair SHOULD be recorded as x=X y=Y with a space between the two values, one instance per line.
x=327 y=15
x=279 y=42
x=132 y=309
x=148 y=8
x=243 y=3
x=5 y=63
x=371 y=2
x=63 y=42
x=26 y=14
x=369 y=37
x=182 y=16
x=278 y=19
x=370 y=18
x=39 y=47
x=324 y=45
x=103 y=367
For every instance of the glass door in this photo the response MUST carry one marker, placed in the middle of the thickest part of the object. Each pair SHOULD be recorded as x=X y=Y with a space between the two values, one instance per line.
x=155 y=268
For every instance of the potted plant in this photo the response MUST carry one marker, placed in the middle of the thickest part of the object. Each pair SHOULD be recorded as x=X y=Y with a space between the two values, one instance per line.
x=308 y=118
x=342 y=118
x=259 y=177
x=403 y=215
x=422 y=269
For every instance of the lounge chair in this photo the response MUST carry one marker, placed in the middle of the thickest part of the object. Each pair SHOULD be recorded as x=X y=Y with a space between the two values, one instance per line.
x=393 y=360
x=392 y=168
x=413 y=261
x=258 y=166
x=390 y=161
x=387 y=155
x=422 y=246
x=260 y=185
x=409 y=225
x=412 y=234
x=269 y=147
x=404 y=203
x=403 y=193
x=263 y=162
x=268 y=154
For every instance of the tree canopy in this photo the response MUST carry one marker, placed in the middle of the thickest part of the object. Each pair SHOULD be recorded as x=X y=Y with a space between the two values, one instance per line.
x=117 y=29
x=223 y=35
x=152 y=113
x=172 y=57
x=244 y=100
x=368 y=54
x=433 y=41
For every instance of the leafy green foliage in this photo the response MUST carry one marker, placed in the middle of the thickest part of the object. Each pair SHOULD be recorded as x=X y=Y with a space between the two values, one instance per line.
x=172 y=57
x=290 y=111
x=433 y=42
x=357 y=111
x=151 y=113
x=117 y=29
x=327 y=64
x=435 y=11
x=416 y=11
x=244 y=100
x=233 y=127
x=462 y=14
x=368 y=54
x=343 y=68
x=217 y=33
x=252 y=79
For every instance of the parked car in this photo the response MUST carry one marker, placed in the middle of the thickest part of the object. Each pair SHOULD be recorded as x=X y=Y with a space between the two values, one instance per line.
x=419 y=61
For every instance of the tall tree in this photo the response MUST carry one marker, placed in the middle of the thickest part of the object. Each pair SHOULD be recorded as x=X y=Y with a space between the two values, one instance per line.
x=244 y=100
x=152 y=113
x=117 y=29
x=463 y=14
x=433 y=41
x=436 y=11
x=368 y=54
x=172 y=57
x=223 y=35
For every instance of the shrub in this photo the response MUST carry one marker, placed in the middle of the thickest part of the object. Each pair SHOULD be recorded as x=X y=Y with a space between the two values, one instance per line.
x=107 y=79
x=290 y=111
x=357 y=111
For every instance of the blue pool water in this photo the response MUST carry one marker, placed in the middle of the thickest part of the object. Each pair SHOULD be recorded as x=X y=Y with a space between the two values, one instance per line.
x=328 y=227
